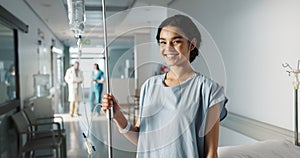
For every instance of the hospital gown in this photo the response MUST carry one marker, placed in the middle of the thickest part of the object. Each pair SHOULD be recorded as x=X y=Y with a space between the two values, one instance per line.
x=172 y=119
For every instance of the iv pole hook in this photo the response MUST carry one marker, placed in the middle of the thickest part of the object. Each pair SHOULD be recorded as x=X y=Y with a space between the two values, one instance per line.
x=109 y=113
x=287 y=65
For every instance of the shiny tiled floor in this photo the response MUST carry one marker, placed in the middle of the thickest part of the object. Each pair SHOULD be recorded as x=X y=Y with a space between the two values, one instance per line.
x=76 y=126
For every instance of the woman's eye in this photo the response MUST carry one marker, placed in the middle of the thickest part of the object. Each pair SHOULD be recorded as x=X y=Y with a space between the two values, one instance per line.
x=176 y=42
x=162 y=43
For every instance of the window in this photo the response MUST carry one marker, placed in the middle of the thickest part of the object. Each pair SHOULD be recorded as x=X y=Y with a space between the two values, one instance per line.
x=7 y=65
x=9 y=74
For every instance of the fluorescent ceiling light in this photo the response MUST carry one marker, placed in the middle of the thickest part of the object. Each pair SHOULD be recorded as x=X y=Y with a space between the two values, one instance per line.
x=96 y=50
x=57 y=50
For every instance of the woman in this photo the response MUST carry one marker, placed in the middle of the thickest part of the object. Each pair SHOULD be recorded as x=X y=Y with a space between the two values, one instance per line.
x=180 y=111
x=96 y=88
x=10 y=81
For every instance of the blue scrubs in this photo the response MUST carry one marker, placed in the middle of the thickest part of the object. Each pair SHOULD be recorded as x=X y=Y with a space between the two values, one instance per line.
x=172 y=119
x=11 y=89
x=96 y=90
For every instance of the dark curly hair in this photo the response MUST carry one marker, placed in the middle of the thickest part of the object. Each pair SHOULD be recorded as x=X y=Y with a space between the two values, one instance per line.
x=187 y=26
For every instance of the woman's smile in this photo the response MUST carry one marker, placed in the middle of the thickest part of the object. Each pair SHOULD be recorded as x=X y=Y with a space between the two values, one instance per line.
x=171 y=56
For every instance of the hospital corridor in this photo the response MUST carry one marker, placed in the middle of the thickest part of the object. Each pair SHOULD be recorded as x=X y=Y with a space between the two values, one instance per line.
x=149 y=78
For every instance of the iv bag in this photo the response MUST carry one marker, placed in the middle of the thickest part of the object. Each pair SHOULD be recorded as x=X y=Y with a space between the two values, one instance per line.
x=76 y=14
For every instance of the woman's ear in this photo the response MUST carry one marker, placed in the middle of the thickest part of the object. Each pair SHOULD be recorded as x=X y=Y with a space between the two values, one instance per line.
x=193 y=44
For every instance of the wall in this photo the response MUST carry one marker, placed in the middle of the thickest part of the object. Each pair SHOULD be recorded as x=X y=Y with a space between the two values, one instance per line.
x=142 y=54
x=254 y=39
x=28 y=64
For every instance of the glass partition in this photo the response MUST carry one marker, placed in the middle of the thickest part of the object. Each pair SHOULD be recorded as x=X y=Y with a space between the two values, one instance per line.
x=10 y=26
x=7 y=65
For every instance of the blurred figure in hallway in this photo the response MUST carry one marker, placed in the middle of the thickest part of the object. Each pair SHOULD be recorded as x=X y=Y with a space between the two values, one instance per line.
x=10 y=82
x=74 y=78
x=96 y=88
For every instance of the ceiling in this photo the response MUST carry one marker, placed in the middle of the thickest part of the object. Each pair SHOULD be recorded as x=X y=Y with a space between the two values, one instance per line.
x=120 y=19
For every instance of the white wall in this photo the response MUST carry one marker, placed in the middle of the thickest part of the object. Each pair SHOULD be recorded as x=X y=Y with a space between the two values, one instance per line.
x=28 y=64
x=142 y=54
x=254 y=37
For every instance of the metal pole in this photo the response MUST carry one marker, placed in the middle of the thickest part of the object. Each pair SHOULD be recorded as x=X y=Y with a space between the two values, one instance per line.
x=296 y=117
x=296 y=72
x=109 y=113
x=296 y=87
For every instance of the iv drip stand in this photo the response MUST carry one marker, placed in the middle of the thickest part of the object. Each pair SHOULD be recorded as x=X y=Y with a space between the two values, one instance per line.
x=296 y=72
x=109 y=113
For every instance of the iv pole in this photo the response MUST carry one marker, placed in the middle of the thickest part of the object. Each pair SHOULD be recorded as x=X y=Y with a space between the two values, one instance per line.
x=296 y=72
x=109 y=113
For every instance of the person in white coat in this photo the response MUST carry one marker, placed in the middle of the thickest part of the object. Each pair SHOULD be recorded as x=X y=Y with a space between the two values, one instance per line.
x=74 y=78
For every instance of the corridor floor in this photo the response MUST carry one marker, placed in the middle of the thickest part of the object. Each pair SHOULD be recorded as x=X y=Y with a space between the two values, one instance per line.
x=76 y=126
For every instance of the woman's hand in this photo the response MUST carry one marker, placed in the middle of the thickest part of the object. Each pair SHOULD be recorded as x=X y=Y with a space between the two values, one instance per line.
x=108 y=101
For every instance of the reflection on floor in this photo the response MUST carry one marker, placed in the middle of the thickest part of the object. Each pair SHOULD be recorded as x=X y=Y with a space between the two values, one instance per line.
x=76 y=126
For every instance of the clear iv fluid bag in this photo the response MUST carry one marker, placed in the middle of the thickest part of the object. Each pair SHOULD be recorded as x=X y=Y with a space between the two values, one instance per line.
x=76 y=14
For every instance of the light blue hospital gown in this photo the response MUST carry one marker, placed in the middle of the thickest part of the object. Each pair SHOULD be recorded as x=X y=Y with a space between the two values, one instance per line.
x=172 y=119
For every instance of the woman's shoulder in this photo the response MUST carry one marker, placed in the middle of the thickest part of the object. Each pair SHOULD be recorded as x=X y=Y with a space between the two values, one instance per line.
x=157 y=77
x=202 y=79
x=154 y=80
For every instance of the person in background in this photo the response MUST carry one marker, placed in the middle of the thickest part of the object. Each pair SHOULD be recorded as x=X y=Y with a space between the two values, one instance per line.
x=74 y=78
x=10 y=82
x=180 y=110
x=96 y=89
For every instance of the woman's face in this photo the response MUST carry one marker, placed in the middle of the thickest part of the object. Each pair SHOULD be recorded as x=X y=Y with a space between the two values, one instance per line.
x=174 y=46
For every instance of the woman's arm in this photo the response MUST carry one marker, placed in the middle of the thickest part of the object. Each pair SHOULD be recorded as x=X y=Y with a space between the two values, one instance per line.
x=109 y=100
x=212 y=131
x=100 y=80
x=133 y=134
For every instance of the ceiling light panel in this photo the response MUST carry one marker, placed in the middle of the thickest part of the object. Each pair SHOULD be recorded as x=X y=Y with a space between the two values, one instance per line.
x=117 y=3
